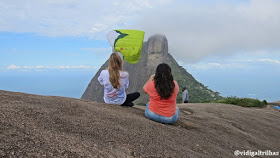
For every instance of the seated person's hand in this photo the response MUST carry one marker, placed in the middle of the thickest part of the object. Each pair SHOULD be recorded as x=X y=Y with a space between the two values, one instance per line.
x=152 y=77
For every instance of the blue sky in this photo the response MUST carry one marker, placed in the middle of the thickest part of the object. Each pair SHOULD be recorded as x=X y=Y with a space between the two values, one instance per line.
x=26 y=49
x=231 y=46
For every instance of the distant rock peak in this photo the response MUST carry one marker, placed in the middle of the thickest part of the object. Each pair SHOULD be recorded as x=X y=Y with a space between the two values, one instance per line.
x=157 y=44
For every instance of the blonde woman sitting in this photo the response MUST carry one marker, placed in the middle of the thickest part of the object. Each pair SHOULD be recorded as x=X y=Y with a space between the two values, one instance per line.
x=115 y=82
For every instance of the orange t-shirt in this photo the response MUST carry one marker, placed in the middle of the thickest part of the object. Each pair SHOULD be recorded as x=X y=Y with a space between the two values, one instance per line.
x=163 y=107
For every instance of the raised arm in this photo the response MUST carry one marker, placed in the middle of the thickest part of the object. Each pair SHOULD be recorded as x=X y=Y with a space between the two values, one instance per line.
x=151 y=78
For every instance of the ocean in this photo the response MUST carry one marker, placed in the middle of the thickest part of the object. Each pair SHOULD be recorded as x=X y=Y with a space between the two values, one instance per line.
x=73 y=83
x=50 y=83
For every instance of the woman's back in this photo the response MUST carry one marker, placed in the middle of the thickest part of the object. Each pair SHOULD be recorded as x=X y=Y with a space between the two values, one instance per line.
x=164 y=107
x=111 y=94
x=162 y=90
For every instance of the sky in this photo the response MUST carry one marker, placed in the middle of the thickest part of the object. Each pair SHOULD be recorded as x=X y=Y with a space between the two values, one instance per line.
x=232 y=46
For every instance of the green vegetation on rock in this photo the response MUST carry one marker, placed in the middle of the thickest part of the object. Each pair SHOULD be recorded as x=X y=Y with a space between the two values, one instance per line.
x=245 y=102
x=197 y=91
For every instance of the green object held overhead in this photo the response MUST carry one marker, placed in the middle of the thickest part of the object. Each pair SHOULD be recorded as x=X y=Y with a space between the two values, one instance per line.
x=128 y=43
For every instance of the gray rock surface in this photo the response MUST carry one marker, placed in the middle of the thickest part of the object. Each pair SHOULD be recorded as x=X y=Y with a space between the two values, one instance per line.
x=49 y=126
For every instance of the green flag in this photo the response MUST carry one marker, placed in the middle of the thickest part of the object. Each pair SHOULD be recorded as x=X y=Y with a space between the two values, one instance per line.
x=128 y=43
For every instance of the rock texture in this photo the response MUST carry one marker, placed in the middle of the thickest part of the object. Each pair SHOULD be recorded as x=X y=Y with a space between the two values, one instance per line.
x=48 y=126
x=154 y=52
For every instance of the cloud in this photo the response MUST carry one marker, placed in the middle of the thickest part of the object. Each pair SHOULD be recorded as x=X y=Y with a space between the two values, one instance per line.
x=270 y=61
x=217 y=66
x=235 y=63
x=218 y=28
x=51 y=67
x=195 y=29
x=206 y=66
x=13 y=67
x=70 y=17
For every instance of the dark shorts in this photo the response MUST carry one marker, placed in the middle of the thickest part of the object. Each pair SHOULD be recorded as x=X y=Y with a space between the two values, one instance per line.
x=130 y=98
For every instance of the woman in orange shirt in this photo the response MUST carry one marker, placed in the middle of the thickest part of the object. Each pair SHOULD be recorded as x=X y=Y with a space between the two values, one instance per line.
x=163 y=91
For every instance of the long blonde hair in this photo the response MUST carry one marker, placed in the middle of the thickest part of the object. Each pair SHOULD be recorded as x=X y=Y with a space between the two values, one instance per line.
x=115 y=65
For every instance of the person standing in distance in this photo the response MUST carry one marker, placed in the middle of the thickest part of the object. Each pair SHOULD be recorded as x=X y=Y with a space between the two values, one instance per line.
x=185 y=95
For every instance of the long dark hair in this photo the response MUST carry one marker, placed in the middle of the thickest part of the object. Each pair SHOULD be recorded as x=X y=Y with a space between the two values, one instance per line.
x=164 y=81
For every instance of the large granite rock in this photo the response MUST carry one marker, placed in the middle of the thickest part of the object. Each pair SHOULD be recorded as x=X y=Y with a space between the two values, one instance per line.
x=154 y=52
x=49 y=126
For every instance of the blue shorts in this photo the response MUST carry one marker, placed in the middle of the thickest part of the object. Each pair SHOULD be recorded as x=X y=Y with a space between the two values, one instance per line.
x=162 y=119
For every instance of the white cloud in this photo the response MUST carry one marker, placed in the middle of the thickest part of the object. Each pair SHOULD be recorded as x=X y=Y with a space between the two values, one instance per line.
x=27 y=67
x=195 y=29
x=13 y=67
x=40 y=67
x=216 y=28
x=206 y=66
x=51 y=67
x=235 y=63
x=270 y=61
x=70 y=17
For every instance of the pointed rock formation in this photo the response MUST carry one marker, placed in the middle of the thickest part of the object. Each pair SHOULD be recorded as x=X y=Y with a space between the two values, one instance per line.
x=154 y=52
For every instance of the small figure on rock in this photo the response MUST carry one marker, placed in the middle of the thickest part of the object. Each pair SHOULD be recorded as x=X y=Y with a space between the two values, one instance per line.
x=185 y=95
